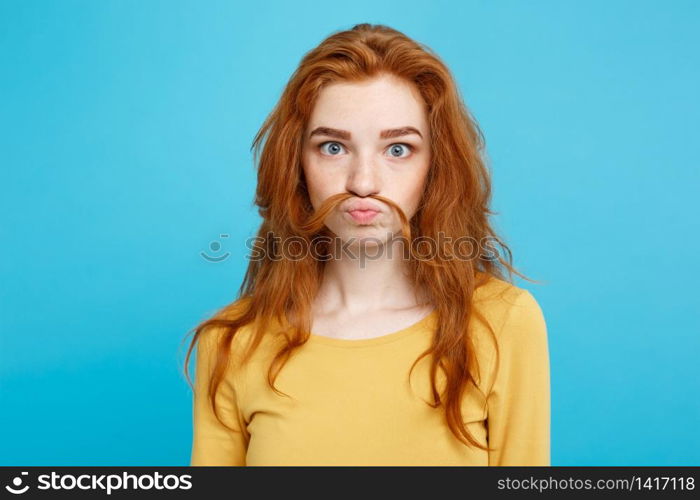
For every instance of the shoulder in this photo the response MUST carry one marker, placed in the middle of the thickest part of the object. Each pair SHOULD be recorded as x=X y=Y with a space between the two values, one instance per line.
x=223 y=318
x=511 y=314
x=234 y=309
x=261 y=339
x=509 y=331
x=498 y=299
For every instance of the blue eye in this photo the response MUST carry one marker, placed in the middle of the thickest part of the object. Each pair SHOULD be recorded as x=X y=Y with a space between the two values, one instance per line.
x=398 y=147
x=335 y=147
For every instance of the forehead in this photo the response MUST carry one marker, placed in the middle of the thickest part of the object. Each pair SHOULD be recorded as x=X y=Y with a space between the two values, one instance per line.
x=369 y=105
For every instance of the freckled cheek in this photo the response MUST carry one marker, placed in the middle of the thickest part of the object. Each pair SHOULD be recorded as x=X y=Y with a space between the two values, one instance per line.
x=321 y=184
x=408 y=192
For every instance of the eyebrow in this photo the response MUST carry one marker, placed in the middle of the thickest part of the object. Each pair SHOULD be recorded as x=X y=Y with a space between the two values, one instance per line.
x=384 y=134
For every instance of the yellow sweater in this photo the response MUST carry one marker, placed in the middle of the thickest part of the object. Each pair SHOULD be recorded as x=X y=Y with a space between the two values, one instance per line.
x=352 y=403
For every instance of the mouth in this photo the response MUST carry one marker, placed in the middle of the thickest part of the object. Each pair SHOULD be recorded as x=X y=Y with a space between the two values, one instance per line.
x=362 y=216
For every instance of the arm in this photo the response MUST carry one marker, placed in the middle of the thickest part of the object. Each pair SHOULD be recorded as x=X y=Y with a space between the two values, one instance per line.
x=212 y=442
x=519 y=400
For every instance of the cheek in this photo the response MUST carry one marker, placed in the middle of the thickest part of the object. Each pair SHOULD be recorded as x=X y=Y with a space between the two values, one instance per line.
x=317 y=183
x=413 y=188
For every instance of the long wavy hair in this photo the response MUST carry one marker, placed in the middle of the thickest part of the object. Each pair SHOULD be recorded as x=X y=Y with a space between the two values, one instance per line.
x=455 y=203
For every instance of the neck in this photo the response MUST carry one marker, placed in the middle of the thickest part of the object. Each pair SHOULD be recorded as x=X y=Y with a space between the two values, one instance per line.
x=372 y=279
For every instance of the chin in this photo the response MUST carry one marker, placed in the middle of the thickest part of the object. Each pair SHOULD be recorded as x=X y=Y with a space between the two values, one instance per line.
x=365 y=235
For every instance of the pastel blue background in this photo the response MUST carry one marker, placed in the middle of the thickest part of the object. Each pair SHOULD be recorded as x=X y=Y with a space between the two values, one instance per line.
x=125 y=129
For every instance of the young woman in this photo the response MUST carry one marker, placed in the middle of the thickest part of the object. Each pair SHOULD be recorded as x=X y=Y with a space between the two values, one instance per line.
x=375 y=325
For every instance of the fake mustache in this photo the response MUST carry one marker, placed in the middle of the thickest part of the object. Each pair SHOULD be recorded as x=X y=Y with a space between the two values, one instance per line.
x=315 y=223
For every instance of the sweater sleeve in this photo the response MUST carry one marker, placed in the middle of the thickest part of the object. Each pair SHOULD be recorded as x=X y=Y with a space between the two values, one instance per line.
x=518 y=421
x=212 y=442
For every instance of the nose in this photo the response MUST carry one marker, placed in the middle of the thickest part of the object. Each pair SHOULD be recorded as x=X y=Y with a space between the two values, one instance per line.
x=363 y=178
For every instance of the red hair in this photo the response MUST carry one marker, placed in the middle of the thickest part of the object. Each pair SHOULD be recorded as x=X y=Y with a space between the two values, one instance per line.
x=455 y=203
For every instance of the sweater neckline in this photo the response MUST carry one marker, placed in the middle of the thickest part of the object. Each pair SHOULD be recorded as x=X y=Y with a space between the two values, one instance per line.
x=381 y=339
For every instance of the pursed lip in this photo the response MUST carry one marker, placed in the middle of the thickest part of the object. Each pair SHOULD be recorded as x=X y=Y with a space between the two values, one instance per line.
x=363 y=205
